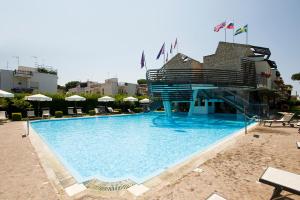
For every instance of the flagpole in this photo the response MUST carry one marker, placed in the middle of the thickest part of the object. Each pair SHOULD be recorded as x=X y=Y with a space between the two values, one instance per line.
x=247 y=35
x=225 y=30
x=233 y=31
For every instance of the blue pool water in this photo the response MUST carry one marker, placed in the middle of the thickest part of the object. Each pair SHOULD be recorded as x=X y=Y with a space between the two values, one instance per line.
x=137 y=146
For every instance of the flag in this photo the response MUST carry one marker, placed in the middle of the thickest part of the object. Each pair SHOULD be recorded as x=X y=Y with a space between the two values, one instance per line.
x=219 y=27
x=161 y=51
x=175 y=44
x=230 y=26
x=241 y=30
x=171 y=49
x=167 y=57
x=143 y=61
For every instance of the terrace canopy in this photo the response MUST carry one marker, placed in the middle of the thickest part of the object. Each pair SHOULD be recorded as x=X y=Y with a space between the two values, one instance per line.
x=6 y=94
x=130 y=99
x=106 y=99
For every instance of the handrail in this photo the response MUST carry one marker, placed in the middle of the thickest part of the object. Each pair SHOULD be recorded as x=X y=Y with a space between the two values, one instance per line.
x=218 y=77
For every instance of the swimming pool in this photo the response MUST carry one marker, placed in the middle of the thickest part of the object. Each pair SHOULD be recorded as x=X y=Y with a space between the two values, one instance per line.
x=138 y=147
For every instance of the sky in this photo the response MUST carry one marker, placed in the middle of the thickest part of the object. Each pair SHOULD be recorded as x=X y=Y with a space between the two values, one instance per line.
x=95 y=40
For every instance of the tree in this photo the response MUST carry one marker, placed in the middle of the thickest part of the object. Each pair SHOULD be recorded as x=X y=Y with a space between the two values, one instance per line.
x=296 y=77
x=71 y=84
x=141 y=81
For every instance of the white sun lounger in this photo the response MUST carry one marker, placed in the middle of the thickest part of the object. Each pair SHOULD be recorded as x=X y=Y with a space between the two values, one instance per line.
x=46 y=113
x=71 y=111
x=79 y=111
x=215 y=196
x=30 y=114
x=281 y=180
x=286 y=118
x=111 y=110
x=3 y=116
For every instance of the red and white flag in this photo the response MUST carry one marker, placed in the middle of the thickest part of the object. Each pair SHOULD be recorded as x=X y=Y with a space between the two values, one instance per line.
x=219 y=27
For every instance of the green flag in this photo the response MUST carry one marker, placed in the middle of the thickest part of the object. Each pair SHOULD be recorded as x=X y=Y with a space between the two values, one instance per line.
x=241 y=30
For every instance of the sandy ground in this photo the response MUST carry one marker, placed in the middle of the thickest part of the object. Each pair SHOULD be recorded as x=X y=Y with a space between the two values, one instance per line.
x=232 y=173
x=21 y=175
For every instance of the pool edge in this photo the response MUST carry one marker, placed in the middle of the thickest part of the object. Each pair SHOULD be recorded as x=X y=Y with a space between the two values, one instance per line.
x=163 y=178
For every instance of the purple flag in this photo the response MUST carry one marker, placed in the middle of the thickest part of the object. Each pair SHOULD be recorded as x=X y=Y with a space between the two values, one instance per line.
x=161 y=51
x=175 y=44
x=143 y=61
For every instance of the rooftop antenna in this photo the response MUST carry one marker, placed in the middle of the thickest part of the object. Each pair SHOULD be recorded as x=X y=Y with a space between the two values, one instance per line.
x=35 y=61
x=18 y=59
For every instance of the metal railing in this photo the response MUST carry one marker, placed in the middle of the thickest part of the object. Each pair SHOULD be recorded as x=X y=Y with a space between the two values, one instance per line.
x=23 y=73
x=217 y=77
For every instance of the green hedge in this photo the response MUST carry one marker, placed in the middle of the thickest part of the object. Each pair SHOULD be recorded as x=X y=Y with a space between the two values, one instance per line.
x=16 y=116
x=138 y=110
x=59 y=114
x=92 y=112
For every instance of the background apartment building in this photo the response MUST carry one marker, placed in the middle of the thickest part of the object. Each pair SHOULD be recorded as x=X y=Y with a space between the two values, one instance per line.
x=110 y=87
x=29 y=79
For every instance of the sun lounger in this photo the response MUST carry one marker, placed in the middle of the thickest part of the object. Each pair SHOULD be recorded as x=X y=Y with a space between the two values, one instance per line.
x=3 y=116
x=71 y=111
x=30 y=114
x=281 y=180
x=298 y=145
x=111 y=110
x=46 y=113
x=286 y=118
x=215 y=196
x=97 y=112
x=130 y=111
x=79 y=111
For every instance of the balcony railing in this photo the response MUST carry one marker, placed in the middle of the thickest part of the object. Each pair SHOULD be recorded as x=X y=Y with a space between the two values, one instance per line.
x=217 y=77
x=23 y=73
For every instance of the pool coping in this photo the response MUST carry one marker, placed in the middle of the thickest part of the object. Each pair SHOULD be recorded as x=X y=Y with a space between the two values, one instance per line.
x=62 y=178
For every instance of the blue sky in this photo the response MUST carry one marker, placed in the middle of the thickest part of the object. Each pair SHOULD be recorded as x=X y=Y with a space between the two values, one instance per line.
x=94 y=40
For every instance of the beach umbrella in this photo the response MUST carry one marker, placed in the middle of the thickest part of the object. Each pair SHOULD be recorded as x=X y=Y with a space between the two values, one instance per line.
x=106 y=99
x=75 y=98
x=6 y=94
x=38 y=98
x=130 y=99
x=144 y=100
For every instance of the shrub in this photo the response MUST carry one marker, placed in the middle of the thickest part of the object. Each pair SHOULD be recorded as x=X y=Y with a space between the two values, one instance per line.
x=58 y=114
x=16 y=116
x=138 y=110
x=92 y=112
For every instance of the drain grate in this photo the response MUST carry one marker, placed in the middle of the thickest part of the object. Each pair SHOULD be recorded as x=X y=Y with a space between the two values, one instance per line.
x=109 y=186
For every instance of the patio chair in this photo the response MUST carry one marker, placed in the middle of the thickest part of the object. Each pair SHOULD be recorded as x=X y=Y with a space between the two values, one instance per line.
x=281 y=180
x=71 y=111
x=286 y=118
x=3 y=116
x=79 y=111
x=30 y=114
x=215 y=196
x=46 y=113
